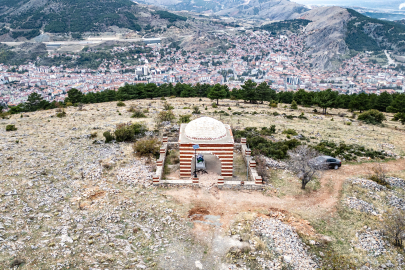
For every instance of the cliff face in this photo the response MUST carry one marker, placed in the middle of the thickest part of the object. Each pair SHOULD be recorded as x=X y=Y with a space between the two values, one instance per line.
x=325 y=35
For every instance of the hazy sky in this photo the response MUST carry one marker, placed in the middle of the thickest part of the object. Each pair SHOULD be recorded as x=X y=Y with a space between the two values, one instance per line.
x=379 y=4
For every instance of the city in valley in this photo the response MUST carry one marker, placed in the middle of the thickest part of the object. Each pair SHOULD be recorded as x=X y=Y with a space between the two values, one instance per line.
x=280 y=61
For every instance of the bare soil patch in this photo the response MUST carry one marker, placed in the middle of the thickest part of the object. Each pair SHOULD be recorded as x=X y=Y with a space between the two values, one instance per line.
x=197 y=213
x=228 y=203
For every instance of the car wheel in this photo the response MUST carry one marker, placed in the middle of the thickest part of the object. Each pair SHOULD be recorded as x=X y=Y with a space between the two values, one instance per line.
x=336 y=167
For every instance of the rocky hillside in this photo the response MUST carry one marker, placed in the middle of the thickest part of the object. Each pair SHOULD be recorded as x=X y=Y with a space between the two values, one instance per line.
x=260 y=9
x=26 y=19
x=334 y=31
x=325 y=35
x=271 y=9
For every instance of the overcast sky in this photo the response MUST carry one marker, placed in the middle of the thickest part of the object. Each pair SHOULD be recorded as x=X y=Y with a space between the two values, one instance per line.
x=379 y=4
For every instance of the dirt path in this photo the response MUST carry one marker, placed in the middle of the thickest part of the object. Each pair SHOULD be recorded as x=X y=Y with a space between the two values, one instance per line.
x=228 y=203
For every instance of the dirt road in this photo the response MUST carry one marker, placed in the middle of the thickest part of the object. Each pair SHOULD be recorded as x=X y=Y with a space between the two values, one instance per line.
x=228 y=203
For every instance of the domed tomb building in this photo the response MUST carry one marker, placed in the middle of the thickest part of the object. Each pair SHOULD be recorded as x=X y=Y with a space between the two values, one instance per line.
x=213 y=137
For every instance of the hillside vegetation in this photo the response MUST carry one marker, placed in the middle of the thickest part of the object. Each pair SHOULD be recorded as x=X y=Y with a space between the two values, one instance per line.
x=28 y=18
x=369 y=34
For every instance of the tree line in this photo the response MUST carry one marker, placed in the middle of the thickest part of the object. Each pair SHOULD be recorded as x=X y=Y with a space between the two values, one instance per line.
x=250 y=92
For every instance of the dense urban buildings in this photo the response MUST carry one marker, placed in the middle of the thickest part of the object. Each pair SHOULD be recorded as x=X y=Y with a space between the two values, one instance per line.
x=280 y=61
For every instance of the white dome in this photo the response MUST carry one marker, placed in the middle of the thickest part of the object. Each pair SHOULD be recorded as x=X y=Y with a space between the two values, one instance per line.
x=205 y=129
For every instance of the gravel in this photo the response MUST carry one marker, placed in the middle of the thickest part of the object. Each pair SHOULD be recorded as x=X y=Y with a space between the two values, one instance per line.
x=372 y=242
x=396 y=182
x=365 y=183
x=285 y=241
x=396 y=202
x=354 y=203
x=271 y=163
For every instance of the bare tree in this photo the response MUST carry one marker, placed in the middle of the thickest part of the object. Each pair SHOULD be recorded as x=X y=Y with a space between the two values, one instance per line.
x=378 y=173
x=395 y=228
x=302 y=162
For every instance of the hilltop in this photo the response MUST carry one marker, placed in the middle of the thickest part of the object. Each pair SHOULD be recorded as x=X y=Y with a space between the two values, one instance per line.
x=70 y=200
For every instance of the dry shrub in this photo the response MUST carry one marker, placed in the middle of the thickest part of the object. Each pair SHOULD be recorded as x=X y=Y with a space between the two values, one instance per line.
x=166 y=116
x=261 y=168
x=167 y=106
x=173 y=157
x=395 y=227
x=138 y=114
x=147 y=147
x=378 y=174
x=132 y=108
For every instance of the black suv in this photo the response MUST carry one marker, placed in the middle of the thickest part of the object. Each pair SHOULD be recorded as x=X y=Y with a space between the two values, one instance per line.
x=330 y=162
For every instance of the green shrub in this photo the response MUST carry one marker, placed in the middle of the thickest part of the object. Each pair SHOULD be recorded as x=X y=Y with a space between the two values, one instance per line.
x=276 y=113
x=61 y=114
x=166 y=116
x=348 y=123
x=146 y=110
x=120 y=104
x=214 y=105
x=108 y=136
x=301 y=116
x=185 y=118
x=162 y=98
x=124 y=133
x=268 y=131
x=294 y=105
x=129 y=132
x=236 y=113
x=273 y=105
x=196 y=110
x=373 y=117
x=290 y=132
x=347 y=151
x=147 y=147
x=399 y=117
x=229 y=108
x=11 y=128
x=167 y=106
x=138 y=114
x=263 y=146
x=68 y=104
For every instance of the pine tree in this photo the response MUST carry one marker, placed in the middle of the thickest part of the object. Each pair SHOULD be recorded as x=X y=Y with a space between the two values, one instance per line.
x=217 y=92
x=325 y=99
x=294 y=105
x=33 y=102
x=75 y=96
x=249 y=91
x=150 y=90
x=383 y=101
x=263 y=92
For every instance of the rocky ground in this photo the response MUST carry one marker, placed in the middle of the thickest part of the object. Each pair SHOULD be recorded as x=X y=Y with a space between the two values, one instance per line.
x=70 y=201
